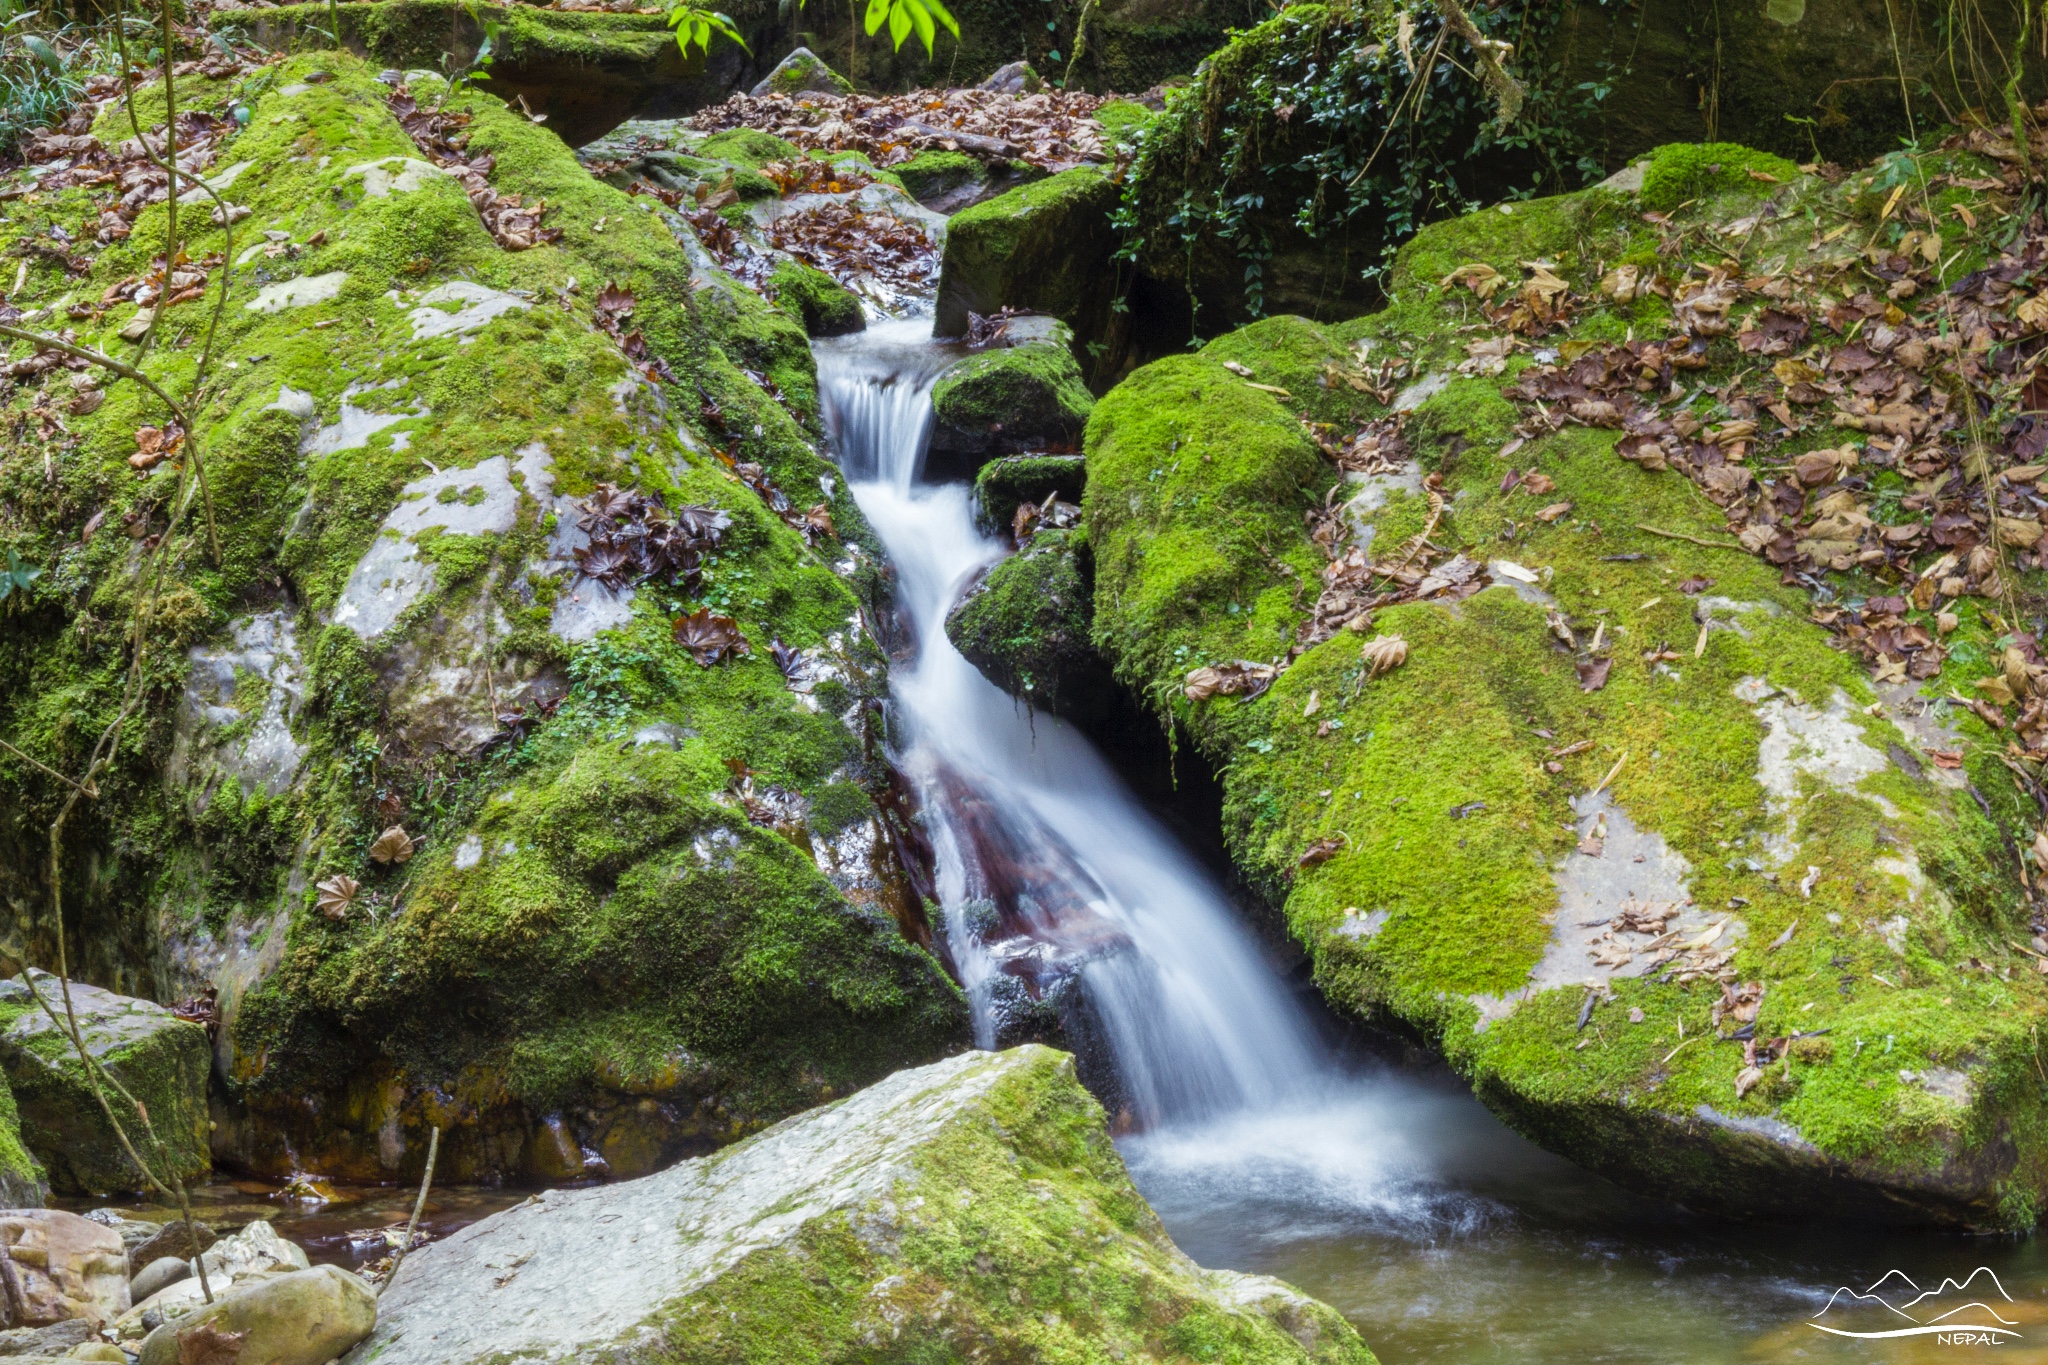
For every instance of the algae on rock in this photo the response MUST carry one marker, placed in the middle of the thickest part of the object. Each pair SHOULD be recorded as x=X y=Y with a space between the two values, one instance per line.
x=978 y=1200
x=1026 y=627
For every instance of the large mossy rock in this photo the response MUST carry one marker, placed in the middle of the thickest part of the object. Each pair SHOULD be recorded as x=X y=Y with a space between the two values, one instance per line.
x=650 y=903
x=1025 y=396
x=1044 y=247
x=1459 y=842
x=158 y=1058
x=973 y=1206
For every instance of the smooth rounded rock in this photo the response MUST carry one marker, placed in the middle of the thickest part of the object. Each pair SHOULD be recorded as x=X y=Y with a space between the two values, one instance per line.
x=68 y=1266
x=160 y=1273
x=98 y=1350
x=305 y=1318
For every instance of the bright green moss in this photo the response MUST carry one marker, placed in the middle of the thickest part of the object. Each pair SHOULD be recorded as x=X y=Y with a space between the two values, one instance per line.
x=1437 y=797
x=748 y=147
x=825 y=307
x=1004 y=483
x=22 y=1181
x=1026 y=625
x=467 y=999
x=1683 y=171
x=930 y=174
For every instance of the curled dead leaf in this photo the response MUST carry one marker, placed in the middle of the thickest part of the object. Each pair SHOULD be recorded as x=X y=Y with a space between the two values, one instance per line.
x=1553 y=512
x=394 y=845
x=1384 y=654
x=1242 y=678
x=1322 y=850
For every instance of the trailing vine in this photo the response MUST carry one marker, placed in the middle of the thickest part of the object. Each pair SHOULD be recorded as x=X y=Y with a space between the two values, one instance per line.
x=1348 y=127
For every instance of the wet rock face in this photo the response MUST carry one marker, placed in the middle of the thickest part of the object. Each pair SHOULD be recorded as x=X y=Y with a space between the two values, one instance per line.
x=1616 y=816
x=162 y=1060
x=978 y=1198
x=1043 y=247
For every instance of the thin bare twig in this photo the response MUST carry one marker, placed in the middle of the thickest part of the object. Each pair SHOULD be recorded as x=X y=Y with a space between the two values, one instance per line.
x=426 y=1183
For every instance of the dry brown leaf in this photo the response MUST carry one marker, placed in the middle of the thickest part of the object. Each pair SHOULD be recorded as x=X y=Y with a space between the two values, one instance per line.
x=394 y=845
x=337 y=894
x=1553 y=512
x=1384 y=654
x=207 y=1344
x=709 y=637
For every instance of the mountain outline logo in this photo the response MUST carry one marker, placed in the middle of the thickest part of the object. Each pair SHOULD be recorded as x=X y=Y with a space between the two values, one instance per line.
x=1941 y=1325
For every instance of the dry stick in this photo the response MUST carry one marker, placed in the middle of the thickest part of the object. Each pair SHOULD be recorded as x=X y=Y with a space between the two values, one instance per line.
x=1680 y=535
x=426 y=1183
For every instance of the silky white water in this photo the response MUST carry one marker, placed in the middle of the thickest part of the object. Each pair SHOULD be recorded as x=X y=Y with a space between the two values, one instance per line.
x=1224 y=1077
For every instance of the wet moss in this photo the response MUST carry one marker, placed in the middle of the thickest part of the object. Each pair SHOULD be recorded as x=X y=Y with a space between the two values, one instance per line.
x=1683 y=172
x=825 y=307
x=1026 y=626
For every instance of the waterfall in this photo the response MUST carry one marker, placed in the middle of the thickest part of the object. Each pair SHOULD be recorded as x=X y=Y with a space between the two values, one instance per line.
x=1047 y=869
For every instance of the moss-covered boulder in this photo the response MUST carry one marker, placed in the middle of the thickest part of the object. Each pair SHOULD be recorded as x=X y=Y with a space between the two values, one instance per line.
x=467 y=823
x=825 y=307
x=947 y=182
x=803 y=72
x=158 y=1058
x=584 y=71
x=1026 y=627
x=1027 y=396
x=1012 y=479
x=1542 y=760
x=1044 y=247
x=977 y=1201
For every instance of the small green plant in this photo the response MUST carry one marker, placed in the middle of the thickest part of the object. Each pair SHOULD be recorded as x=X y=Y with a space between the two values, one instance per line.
x=38 y=82
x=15 y=578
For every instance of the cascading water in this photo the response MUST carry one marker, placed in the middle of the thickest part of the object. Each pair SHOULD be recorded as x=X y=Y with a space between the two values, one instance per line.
x=1046 y=866
x=1398 y=1199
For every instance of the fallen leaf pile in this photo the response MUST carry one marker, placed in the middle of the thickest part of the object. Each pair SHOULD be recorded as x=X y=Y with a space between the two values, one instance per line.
x=633 y=539
x=809 y=175
x=847 y=244
x=437 y=133
x=1945 y=386
x=1054 y=130
x=202 y=1009
x=709 y=637
x=1244 y=678
x=79 y=159
x=1355 y=586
